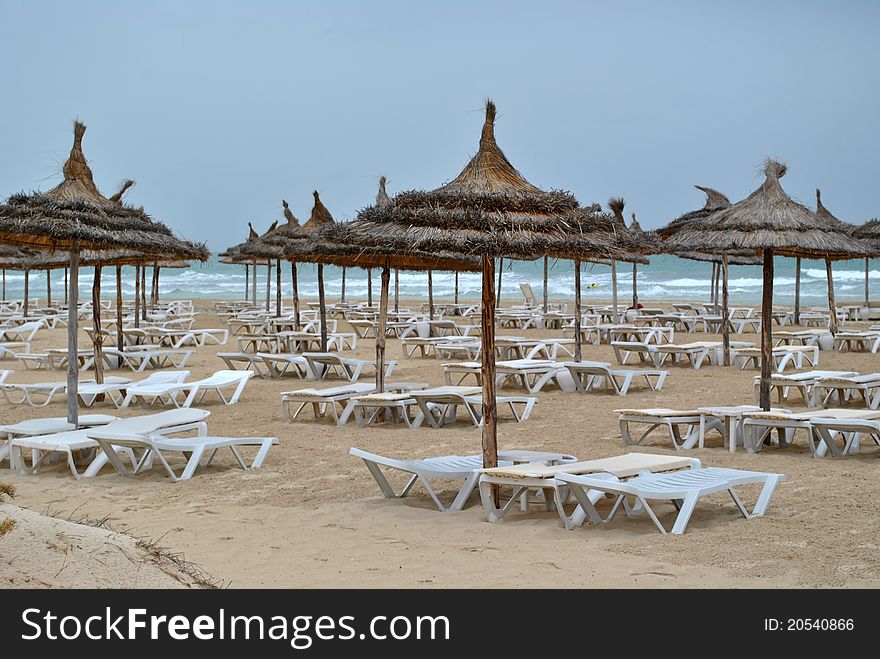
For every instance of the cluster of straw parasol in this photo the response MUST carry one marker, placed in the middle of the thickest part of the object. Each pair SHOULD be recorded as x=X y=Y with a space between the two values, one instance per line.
x=74 y=217
x=767 y=223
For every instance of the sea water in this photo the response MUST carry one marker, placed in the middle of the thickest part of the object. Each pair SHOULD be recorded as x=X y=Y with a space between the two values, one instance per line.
x=666 y=278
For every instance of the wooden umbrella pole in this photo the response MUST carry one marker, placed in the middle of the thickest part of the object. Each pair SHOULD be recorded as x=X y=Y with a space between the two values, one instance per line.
x=430 y=296
x=247 y=279
x=158 y=270
x=268 y=286
x=717 y=285
x=3 y=296
x=27 y=292
x=832 y=305
x=144 y=292
x=635 y=286
x=120 y=338
x=867 y=285
x=725 y=321
x=546 y=279
x=456 y=287
x=380 y=331
x=65 y=285
x=396 y=290
x=96 y=322
x=498 y=292
x=614 y=291
x=322 y=307
x=137 y=295
x=295 y=284
x=48 y=288
x=342 y=294
x=369 y=287
x=797 y=291
x=254 y=283
x=712 y=284
x=277 y=287
x=766 y=330
x=577 y=311
x=490 y=430
x=155 y=288
x=72 y=361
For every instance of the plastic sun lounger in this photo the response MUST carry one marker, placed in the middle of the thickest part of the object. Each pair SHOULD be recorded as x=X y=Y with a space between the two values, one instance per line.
x=47 y=426
x=851 y=431
x=24 y=332
x=111 y=439
x=195 y=391
x=868 y=341
x=656 y=354
x=112 y=387
x=588 y=376
x=804 y=383
x=782 y=357
x=12 y=349
x=338 y=401
x=397 y=406
x=31 y=394
x=42 y=446
x=448 y=467
x=251 y=362
x=673 y=421
x=533 y=374
x=280 y=364
x=322 y=364
x=462 y=370
x=846 y=388
x=683 y=488
x=757 y=426
x=528 y=477
x=140 y=360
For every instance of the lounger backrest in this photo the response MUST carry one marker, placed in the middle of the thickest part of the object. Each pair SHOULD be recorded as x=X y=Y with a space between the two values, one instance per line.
x=153 y=422
x=224 y=377
x=166 y=377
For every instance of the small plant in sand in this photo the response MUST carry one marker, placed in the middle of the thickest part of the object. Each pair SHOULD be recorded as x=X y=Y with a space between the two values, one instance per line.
x=6 y=524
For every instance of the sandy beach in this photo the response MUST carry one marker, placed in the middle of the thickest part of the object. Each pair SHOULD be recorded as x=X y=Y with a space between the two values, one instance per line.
x=313 y=517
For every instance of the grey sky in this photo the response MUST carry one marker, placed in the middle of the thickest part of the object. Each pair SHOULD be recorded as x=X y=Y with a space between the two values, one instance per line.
x=220 y=109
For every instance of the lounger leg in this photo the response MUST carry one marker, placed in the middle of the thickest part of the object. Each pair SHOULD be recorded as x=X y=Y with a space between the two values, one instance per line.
x=586 y=509
x=193 y=462
x=766 y=492
x=384 y=485
x=494 y=513
x=261 y=454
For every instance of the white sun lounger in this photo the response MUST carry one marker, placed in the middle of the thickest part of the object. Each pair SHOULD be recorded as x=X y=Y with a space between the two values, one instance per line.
x=656 y=355
x=110 y=439
x=448 y=467
x=112 y=387
x=804 y=383
x=24 y=332
x=851 y=431
x=523 y=478
x=42 y=446
x=683 y=488
x=194 y=391
x=857 y=341
x=846 y=388
x=321 y=364
x=140 y=360
x=280 y=364
x=335 y=400
x=589 y=376
x=462 y=370
x=682 y=426
x=782 y=356
x=532 y=374
x=37 y=394
x=47 y=426
x=248 y=361
x=757 y=426
x=11 y=349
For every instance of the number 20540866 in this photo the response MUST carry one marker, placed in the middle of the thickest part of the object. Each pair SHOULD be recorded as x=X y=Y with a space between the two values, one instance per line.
x=808 y=624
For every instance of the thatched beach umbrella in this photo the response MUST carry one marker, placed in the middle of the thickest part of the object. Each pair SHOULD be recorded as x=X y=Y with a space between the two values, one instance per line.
x=331 y=244
x=489 y=210
x=869 y=232
x=74 y=215
x=769 y=222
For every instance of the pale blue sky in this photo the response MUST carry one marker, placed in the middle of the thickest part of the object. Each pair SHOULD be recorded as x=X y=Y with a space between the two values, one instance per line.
x=220 y=109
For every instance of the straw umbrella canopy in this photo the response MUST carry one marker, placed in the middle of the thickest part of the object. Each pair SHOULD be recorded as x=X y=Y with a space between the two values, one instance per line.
x=489 y=210
x=239 y=254
x=331 y=245
x=264 y=247
x=769 y=222
x=74 y=215
x=869 y=232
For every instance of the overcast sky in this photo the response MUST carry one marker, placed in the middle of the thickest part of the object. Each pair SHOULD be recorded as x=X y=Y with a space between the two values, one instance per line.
x=219 y=110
